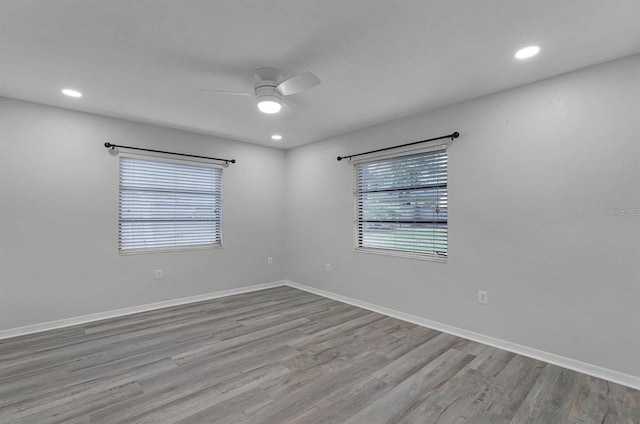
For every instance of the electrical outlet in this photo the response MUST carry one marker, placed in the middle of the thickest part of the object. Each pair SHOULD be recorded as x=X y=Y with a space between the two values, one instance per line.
x=327 y=267
x=269 y=260
x=159 y=274
x=483 y=297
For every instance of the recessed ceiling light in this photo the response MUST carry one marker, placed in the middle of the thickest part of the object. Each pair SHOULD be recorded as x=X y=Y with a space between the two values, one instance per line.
x=71 y=93
x=527 y=52
x=276 y=137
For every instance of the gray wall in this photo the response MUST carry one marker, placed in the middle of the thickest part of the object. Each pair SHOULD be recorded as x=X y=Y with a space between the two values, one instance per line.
x=530 y=182
x=59 y=217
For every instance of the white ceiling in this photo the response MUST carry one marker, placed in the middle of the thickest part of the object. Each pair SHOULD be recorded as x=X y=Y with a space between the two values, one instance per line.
x=145 y=60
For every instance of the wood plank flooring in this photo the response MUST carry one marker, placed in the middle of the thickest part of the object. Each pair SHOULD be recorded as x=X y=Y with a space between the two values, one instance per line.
x=286 y=356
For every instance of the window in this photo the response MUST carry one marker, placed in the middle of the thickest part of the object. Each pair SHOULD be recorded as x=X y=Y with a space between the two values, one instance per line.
x=167 y=205
x=401 y=205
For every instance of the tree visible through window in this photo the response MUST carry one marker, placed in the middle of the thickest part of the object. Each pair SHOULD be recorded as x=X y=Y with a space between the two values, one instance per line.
x=401 y=205
x=167 y=205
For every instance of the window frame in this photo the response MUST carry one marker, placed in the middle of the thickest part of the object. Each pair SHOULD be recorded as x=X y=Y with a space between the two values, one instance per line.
x=167 y=249
x=357 y=222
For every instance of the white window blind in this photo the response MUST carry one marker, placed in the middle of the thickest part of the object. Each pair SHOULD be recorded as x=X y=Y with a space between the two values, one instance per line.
x=167 y=205
x=401 y=205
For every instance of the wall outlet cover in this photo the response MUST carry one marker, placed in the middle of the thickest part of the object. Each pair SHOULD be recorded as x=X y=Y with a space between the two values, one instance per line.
x=483 y=297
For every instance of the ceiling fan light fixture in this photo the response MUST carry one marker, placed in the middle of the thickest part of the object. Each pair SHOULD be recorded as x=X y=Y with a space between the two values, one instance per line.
x=269 y=104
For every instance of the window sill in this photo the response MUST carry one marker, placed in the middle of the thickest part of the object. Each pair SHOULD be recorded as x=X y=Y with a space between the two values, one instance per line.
x=167 y=250
x=400 y=254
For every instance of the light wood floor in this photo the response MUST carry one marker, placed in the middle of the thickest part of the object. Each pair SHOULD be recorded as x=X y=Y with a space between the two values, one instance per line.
x=286 y=356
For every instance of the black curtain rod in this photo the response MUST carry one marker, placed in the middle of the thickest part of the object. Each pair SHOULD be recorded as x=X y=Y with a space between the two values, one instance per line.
x=113 y=146
x=451 y=136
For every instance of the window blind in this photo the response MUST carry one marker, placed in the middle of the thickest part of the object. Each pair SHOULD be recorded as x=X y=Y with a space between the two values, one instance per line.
x=401 y=205
x=168 y=205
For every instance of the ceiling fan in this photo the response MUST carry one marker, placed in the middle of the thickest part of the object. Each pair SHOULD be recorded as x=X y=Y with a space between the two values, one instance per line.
x=271 y=86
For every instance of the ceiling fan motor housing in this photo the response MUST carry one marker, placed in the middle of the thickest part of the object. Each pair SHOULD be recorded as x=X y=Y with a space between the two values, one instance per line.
x=266 y=90
x=266 y=83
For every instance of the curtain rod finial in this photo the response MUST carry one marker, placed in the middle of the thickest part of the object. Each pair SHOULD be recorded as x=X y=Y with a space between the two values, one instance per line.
x=107 y=145
x=455 y=135
x=340 y=158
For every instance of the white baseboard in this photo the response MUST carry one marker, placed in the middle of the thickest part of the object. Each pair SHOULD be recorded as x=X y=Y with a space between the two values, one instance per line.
x=572 y=364
x=67 y=322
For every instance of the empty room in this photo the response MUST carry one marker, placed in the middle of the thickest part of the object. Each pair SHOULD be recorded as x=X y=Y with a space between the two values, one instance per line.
x=319 y=212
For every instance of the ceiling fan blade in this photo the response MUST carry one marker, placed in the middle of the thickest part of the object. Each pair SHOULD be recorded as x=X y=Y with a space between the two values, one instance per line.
x=298 y=83
x=234 y=93
x=287 y=113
